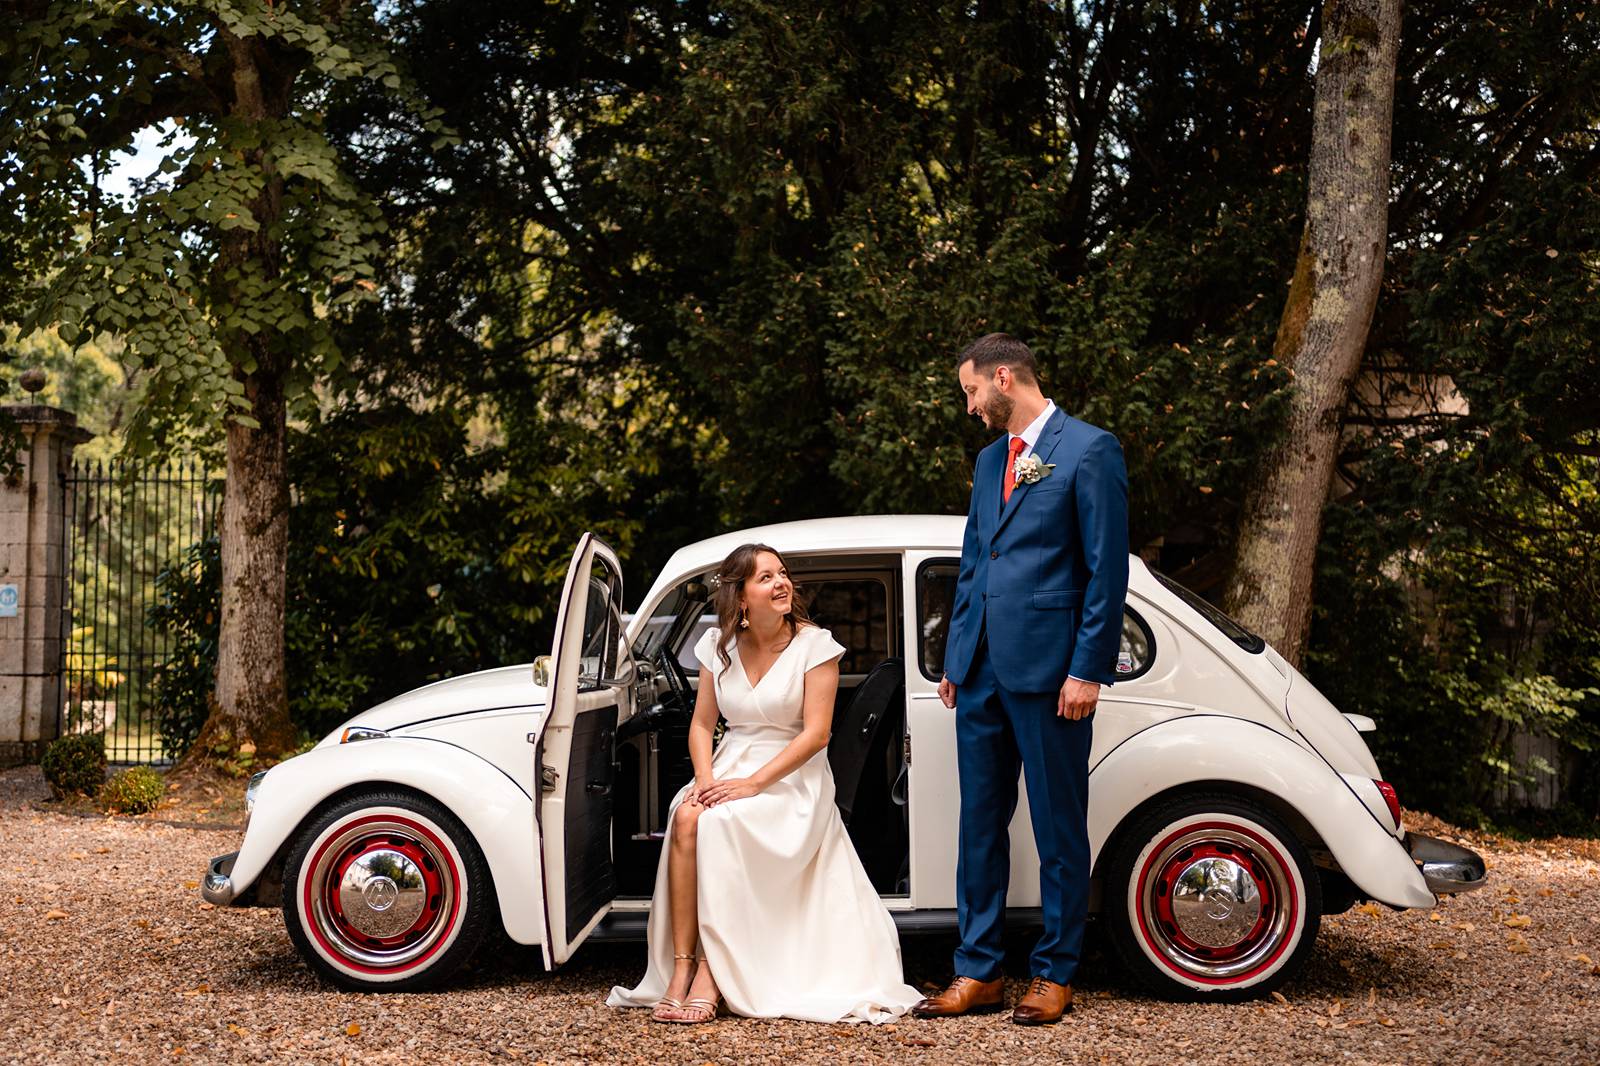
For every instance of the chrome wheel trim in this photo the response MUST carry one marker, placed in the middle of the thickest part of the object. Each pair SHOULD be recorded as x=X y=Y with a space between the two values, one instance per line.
x=345 y=872
x=1186 y=930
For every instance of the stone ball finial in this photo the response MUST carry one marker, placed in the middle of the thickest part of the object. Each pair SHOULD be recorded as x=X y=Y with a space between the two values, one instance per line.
x=32 y=379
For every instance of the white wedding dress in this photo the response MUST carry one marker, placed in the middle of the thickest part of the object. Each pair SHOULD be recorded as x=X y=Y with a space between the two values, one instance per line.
x=789 y=922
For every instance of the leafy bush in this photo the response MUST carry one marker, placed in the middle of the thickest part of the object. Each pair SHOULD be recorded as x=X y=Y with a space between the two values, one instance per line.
x=75 y=763
x=134 y=790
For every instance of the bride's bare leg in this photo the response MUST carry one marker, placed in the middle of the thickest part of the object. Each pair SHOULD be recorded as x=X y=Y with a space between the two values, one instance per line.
x=681 y=897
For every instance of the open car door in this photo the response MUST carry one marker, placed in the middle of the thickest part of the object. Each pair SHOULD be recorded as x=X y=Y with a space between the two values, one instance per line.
x=588 y=673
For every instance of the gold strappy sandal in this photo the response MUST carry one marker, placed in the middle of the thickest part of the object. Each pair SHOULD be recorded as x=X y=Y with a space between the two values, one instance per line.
x=668 y=1002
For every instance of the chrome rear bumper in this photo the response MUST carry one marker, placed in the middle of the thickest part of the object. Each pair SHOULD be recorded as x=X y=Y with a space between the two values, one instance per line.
x=1447 y=868
x=217 y=887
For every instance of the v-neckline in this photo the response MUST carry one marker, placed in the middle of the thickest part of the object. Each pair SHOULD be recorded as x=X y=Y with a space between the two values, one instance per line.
x=752 y=686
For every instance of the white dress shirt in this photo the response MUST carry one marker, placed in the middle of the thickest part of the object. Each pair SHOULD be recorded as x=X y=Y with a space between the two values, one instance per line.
x=1030 y=436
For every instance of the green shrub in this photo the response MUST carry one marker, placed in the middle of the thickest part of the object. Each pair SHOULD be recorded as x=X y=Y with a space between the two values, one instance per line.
x=75 y=763
x=134 y=790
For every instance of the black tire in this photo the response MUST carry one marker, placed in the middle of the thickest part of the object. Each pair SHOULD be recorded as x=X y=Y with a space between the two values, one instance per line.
x=386 y=891
x=1179 y=882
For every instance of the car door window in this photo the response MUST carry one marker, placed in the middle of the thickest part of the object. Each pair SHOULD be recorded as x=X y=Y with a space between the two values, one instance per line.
x=602 y=631
x=936 y=596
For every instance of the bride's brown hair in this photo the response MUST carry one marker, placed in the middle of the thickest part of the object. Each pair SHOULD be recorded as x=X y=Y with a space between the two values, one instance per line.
x=729 y=578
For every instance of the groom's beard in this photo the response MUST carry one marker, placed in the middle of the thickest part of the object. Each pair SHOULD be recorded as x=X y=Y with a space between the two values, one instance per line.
x=997 y=411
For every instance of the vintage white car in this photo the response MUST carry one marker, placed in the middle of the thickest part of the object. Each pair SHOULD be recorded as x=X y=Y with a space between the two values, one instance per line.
x=1231 y=805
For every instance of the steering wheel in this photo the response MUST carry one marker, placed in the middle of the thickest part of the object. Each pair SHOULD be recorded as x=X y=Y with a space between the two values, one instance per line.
x=678 y=691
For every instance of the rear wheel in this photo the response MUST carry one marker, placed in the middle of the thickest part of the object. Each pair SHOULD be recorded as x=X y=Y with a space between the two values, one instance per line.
x=386 y=890
x=1211 y=897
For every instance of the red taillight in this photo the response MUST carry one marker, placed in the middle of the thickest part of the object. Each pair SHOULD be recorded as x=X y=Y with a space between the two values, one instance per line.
x=1390 y=799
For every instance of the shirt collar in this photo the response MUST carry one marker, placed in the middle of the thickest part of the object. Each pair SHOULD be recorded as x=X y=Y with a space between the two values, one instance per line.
x=1030 y=436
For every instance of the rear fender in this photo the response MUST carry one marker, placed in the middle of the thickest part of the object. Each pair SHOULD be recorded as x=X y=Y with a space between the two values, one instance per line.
x=494 y=809
x=1209 y=748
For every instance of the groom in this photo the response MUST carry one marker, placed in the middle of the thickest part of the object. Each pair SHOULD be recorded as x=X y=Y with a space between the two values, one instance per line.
x=1034 y=633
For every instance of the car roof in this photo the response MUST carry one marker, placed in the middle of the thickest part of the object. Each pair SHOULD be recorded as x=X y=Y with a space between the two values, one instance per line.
x=885 y=532
x=874 y=532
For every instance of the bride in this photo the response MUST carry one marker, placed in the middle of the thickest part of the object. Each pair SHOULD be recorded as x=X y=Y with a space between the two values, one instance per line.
x=760 y=898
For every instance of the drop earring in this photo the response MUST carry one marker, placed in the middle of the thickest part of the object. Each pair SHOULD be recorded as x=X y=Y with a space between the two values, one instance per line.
x=744 y=623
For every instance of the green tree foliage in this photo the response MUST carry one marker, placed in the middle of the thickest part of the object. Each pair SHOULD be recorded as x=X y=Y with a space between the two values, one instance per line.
x=222 y=274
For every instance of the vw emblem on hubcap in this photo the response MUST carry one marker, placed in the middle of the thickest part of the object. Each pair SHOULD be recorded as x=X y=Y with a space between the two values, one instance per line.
x=1219 y=903
x=380 y=893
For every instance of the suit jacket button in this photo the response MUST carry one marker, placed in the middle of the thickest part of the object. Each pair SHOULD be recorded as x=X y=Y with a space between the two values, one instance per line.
x=994 y=555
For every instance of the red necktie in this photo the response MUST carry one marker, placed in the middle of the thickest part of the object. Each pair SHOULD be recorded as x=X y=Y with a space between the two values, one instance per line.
x=1010 y=482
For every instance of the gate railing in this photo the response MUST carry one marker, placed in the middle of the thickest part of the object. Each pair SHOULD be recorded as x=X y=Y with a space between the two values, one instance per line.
x=127 y=522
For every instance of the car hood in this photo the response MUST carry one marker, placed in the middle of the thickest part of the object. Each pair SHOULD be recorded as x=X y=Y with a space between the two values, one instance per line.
x=506 y=686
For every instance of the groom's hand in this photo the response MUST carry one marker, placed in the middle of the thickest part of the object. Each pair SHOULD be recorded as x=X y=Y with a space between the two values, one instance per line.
x=947 y=693
x=1077 y=699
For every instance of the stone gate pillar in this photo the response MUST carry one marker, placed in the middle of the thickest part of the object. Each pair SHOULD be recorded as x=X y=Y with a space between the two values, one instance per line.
x=33 y=580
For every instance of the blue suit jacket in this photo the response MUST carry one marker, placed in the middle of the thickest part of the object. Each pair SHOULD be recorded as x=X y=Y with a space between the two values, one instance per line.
x=1046 y=573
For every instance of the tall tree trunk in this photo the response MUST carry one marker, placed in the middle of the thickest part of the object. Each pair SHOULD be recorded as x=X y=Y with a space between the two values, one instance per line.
x=251 y=689
x=1324 y=327
x=252 y=696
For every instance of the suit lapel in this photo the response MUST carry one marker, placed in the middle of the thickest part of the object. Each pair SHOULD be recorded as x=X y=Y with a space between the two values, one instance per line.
x=1048 y=439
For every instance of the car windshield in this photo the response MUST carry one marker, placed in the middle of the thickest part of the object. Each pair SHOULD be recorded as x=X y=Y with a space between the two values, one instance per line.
x=1230 y=629
x=671 y=617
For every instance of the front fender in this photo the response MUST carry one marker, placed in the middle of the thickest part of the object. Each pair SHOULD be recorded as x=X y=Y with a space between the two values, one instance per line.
x=1205 y=747
x=495 y=810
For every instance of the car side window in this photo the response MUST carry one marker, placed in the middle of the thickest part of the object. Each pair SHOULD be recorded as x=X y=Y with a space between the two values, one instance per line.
x=601 y=631
x=856 y=611
x=936 y=596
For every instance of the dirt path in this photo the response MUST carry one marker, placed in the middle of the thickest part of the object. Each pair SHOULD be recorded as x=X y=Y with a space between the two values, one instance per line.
x=107 y=952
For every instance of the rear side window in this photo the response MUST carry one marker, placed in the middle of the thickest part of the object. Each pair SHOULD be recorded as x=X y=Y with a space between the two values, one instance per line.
x=1230 y=629
x=936 y=596
x=856 y=612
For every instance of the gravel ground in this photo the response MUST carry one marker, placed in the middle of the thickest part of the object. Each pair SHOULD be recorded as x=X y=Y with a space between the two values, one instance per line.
x=108 y=952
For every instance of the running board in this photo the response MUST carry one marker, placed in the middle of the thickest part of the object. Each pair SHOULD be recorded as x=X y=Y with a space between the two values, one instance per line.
x=631 y=925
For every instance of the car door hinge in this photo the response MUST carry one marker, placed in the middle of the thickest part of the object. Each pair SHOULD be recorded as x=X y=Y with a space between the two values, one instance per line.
x=548 y=776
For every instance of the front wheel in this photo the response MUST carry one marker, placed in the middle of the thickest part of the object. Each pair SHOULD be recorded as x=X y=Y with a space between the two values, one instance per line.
x=386 y=891
x=1210 y=897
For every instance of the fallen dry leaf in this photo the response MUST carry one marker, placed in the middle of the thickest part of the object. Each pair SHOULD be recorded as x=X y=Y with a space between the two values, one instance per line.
x=1372 y=996
x=352 y=1029
x=1518 y=921
x=1371 y=909
x=1280 y=998
x=55 y=915
x=207 y=906
x=1333 y=1011
x=1465 y=927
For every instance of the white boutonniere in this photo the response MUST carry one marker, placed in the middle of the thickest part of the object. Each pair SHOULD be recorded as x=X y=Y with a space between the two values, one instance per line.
x=1029 y=469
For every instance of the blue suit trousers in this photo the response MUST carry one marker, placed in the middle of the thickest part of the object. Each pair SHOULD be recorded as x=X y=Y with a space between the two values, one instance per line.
x=997 y=732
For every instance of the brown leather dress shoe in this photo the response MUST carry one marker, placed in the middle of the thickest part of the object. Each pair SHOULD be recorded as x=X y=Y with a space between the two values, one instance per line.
x=964 y=995
x=1044 y=1003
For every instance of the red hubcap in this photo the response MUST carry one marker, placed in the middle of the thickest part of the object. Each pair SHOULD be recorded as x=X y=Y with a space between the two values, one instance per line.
x=382 y=894
x=1216 y=903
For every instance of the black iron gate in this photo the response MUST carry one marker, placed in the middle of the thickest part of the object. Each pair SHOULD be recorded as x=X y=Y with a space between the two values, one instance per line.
x=127 y=523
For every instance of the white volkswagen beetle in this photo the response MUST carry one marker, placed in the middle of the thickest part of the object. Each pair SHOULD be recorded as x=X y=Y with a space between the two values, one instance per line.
x=1230 y=804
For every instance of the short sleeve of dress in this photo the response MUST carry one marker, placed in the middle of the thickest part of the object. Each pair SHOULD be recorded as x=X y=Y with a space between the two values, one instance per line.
x=706 y=650
x=820 y=647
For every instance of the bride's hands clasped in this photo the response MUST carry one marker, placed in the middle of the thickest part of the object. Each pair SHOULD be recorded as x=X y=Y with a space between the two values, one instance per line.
x=732 y=788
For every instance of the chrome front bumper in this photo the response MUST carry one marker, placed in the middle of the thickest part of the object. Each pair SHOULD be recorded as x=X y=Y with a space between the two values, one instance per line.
x=1447 y=868
x=217 y=887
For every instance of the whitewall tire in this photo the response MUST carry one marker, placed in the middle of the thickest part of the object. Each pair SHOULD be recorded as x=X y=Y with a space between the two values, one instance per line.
x=386 y=891
x=1211 y=897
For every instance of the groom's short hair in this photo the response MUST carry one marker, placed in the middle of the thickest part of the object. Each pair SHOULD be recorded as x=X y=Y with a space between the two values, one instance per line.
x=1000 y=349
